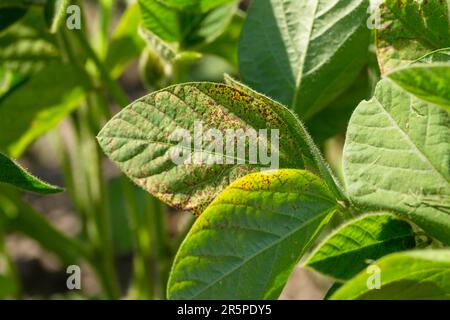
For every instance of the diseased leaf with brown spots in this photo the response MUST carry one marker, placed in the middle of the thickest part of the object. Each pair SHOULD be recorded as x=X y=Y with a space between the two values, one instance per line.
x=140 y=140
x=410 y=30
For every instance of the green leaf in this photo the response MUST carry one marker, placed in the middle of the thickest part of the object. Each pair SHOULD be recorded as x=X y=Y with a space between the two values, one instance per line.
x=414 y=275
x=55 y=12
x=346 y=251
x=396 y=157
x=204 y=29
x=139 y=140
x=38 y=105
x=226 y=45
x=247 y=242
x=160 y=19
x=187 y=29
x=303 y=53
x=299 y=132
x=126 y=44
x=411 y=29
x=12 y=173
x=430 y=82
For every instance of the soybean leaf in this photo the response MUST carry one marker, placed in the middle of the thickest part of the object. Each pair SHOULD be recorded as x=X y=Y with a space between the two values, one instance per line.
x=126 y=44
x=55 y=12
x=204 y=29
x=422 y=275
x=247 y=242
x=299 y=131
x=161 y=20
x=187 y=29
x=32 y=109
x=429 y=82
x=12 y=173
x=346 y=251
x=411 y=29
x=144 y=137
x=303 y=53
x=396 y=157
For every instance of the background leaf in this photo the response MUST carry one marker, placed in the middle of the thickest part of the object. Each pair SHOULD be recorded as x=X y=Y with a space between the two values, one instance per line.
x=137 y=139
x=12 y=173
x=347 y=250
x=429 y=82
x=18 y=216
x=397 y=157
x=249 y=239
x=126 y=44
x=405 y=275
x=411 y=29
x=32 y=109
x=303 y=53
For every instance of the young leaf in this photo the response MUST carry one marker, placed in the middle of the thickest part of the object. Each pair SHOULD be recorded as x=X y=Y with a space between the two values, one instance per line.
x=396 y=157
x=55 y=12
x=420 y=275
x=141 y=140
x=32 y=109
x=12 y=173
x=429 y=82
x=346 y=251
x=411 y=29
x=248 y=240
x=161 y=20
x=304 y=53
x=206 y=28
